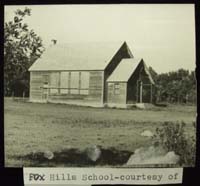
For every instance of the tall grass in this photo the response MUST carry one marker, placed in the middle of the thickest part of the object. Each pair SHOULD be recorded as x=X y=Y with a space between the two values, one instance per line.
x=172 y=137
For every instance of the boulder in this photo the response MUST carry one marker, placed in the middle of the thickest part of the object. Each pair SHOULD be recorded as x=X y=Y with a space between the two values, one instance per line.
x=93 y=153
x=48 y=155
x=147 y=133
x=172 y=158
x=152 y=155
x=140 y=105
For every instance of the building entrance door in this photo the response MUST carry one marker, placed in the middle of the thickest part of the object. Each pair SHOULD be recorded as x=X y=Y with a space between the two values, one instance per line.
x=144 y=92
x=45 y=87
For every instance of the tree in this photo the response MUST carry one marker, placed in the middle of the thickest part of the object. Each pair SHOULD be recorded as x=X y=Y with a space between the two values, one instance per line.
x=153 y=73
x=21 y=48
x=177 y=86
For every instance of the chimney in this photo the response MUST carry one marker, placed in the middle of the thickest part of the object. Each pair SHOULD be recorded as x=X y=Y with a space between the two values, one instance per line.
x=54 y=41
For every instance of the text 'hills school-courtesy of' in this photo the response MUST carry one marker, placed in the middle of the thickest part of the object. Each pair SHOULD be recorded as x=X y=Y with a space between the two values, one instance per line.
x=91 y=74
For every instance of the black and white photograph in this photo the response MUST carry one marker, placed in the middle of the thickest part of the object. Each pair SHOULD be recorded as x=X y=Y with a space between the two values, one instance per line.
x=100 y=85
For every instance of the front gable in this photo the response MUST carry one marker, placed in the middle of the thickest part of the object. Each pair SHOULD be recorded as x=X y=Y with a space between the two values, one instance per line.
x=122 y=53
x=141 y=73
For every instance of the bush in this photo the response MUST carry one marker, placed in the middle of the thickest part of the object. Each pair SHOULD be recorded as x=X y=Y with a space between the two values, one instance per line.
x=172 y=137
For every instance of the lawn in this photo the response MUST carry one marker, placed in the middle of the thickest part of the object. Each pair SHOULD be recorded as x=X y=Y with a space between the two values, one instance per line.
x=32 y=127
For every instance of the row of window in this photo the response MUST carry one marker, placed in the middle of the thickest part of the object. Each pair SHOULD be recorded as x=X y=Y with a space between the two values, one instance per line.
x=68 y=82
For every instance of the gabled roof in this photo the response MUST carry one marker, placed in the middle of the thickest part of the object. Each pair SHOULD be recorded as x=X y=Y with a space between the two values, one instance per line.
x=124 y=70
x=76 y=56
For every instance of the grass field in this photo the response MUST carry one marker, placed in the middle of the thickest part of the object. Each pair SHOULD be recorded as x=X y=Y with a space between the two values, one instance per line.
x=37 y=127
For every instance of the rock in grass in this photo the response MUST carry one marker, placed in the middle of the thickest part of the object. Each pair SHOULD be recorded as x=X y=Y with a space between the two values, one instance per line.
x=48 y=155
x=93 y=153
x=153 y=155
x=172 y=157
x=140 y=105
x=147 y=133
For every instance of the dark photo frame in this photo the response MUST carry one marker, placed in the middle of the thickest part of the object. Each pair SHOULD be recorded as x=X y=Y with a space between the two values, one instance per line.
x=14 y=176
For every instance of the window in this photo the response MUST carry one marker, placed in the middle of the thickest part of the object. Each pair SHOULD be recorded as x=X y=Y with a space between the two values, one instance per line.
x=84 y=82
x=45 y=79
x=54 y=82
x=64 y=81
x=69 y=82
x=74 y=83
x=110 y=88
x=116 y=88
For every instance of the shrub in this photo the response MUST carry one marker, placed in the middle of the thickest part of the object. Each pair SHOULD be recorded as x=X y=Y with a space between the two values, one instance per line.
x=172 y=137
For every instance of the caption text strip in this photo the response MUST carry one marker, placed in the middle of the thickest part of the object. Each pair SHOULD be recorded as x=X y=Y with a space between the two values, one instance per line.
x=89 y=176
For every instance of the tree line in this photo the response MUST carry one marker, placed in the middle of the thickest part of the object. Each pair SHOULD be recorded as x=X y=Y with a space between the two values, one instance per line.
x=175 y=87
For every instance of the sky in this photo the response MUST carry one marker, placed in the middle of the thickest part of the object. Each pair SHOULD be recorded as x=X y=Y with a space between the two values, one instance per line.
x=163 y=35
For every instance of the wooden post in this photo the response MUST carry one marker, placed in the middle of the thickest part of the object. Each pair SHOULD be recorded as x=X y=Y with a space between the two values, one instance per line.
x=103 y=88
x=79 y=84
x=12 y=95
x=186 y=99
x=69 y=83
x=23 y=95
x=137 y=92
x=140 y=91
x=59 y=83
x=48 y=92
